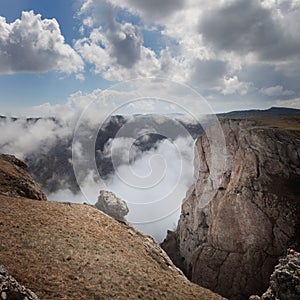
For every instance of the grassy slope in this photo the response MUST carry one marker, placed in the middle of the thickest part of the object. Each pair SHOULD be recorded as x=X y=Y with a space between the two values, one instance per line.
x=73 y=251
x=288 y=122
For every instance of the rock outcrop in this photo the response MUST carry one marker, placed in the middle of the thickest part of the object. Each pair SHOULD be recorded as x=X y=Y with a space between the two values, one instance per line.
x=15 y=180
x=10 y=289
x=231 y=242
x=112 y=205
x=285 y=280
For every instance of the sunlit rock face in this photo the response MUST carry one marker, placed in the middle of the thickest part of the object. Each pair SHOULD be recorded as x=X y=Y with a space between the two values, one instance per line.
x=251 y=213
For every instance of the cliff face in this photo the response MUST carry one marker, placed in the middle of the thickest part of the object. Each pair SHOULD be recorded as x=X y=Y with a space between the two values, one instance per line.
x=251 y=213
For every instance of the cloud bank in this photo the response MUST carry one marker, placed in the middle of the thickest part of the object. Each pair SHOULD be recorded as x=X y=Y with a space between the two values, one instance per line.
x=153 y=184
x=152 y=178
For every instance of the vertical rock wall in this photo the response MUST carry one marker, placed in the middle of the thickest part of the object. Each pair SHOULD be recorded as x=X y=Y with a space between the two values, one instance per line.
x=237 y=220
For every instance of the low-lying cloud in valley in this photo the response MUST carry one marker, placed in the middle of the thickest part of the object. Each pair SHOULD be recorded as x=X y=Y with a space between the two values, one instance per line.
x=147 y=160
x=136 y=139
x=153 y=184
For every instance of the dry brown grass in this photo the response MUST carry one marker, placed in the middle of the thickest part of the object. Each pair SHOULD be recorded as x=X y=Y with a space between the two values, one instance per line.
x=287 y=122
x=73 y=251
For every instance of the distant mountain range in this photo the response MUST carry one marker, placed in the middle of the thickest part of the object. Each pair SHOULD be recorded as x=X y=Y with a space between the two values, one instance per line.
x=273 y=112
x=53 y=169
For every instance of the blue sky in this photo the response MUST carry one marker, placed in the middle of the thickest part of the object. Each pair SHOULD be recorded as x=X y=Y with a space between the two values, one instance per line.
x=26 y=89
x=238 y=55
x=61 y=10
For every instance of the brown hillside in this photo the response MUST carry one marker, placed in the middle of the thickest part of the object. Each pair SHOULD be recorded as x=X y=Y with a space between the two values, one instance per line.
x=284 y=122
x=73 y=251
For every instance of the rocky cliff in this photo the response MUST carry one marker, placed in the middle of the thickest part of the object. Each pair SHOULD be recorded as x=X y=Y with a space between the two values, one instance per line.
x=74 y=251
x=15 y=180
x=251 y=213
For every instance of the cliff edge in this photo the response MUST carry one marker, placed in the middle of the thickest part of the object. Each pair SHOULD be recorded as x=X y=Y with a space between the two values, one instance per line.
x=232 y=243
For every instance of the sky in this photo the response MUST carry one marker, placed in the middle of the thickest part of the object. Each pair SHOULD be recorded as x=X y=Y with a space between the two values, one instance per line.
x=81 y=61
x=237 y=54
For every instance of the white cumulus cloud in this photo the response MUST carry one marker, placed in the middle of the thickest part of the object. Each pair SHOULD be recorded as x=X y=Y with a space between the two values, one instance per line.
x=33 y=44
x=224 y=48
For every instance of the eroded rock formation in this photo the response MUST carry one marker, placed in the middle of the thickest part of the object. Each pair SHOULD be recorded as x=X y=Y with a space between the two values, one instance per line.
x=250 y=215
x=15 y=180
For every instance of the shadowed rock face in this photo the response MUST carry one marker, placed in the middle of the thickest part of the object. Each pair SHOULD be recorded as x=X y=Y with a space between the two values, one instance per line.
x=15 y=180
x=285 y=280
x=232 y=244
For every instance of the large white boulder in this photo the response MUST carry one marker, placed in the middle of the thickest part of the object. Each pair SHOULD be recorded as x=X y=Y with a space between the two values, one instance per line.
x=112 y=205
